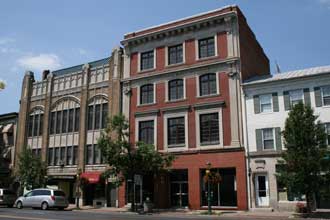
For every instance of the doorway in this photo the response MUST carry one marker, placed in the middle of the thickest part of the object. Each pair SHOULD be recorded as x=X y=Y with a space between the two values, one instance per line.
x=261 y=190
x=179 y=188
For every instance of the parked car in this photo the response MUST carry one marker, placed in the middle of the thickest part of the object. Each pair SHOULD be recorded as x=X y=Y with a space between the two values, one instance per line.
x=44 y=199
x=7 y=197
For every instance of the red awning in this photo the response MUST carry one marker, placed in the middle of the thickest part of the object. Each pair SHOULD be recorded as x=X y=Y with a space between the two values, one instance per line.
x=92 y=177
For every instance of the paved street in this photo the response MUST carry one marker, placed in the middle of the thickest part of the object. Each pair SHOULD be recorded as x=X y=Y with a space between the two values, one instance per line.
x=31 y=214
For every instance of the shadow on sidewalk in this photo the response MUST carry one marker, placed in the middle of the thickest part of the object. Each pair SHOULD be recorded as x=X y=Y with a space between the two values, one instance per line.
x=320 y=215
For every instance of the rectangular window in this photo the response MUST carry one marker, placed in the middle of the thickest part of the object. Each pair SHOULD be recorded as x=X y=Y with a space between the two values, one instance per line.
x=57 y=156
x=70 y=126
x=104 y=115
x=10 y=138
x=90 y=117
x=175 y=89
x=52 y=123
x=268 y=139
x=69 y=156
x=89 y=154
x=97 y=155
x=50 y=156
x=296 y=96
x=62 y=156
x=207 y=84
x=97 y=116
x=75 y=155
x=58 y=122
x=206 y=47
x=209 y=128
x=77 y=120
x=326 y=95
x=327 y=130
x=65 y=121
x=265 y=103
x=147 y=94
x=146 y=131
x=176 y=131
x=35 y=125
x=41 y=121
x=147 y=60
x=175 y=54
x=30 y=126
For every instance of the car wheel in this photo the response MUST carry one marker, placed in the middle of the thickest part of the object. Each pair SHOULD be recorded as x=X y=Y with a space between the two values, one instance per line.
x=44 y=206
x=19 y=205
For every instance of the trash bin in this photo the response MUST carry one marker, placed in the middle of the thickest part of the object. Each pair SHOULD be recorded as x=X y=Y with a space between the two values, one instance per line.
x=147 y=205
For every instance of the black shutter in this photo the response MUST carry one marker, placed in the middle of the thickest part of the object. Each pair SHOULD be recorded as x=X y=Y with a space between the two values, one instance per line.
x=318 y=96
x=259 y=139
x=278 y=139
x=275 y=102
x=256 y=102
x=287 y=105
x=307 y=97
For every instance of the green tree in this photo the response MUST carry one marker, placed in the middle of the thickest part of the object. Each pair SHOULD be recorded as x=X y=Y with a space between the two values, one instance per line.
x=31 y=170
x=125 y=159
x=305 y=143
x=2 y=85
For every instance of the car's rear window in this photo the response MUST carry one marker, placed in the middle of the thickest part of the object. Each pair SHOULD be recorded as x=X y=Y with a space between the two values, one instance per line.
x=59 y=193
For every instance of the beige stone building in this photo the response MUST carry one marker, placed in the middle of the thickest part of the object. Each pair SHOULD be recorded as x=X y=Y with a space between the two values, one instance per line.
x=61 y=117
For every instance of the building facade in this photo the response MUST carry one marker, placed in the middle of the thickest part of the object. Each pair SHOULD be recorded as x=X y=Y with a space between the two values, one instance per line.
x=61 y=118
x=181 y=92
x=8 y=129
x=267 y=102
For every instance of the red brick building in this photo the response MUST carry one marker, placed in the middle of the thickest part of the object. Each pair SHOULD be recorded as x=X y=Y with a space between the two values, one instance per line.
x=181 y=92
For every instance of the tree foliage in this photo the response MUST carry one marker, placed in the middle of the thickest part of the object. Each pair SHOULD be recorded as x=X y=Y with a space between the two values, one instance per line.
x=31 y=170
x=125 y=159
x=305 y=143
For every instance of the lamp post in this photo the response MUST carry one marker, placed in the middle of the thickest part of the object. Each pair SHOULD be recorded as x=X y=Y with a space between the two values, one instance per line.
x=78 y=188
x=208 y=174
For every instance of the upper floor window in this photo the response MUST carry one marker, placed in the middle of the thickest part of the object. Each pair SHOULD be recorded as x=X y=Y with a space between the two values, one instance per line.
x=265 y=103
x=176 y=131
x=175 y=89
x=206 y=47
x=175 y=54
x=65 y=121
x=147 y=94
x=268 y=139
x=147 y=60
x=97 y=115
x=296 y=96
x=146 y=131
x=326 y=95
x=93 y=154
x=209 y=128
x=63 y=156
x=35 y=123
x=208 y=84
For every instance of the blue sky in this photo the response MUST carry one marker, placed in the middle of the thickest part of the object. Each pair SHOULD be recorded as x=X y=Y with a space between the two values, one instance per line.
x=37 y=35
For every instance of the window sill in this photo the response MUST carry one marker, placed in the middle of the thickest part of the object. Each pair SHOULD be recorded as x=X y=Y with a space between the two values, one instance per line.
x=147 y=104
x=146 y=70
x=209 y=143
x=176 y=100
x=209 y=96
x=206 y=58
x=174 y=65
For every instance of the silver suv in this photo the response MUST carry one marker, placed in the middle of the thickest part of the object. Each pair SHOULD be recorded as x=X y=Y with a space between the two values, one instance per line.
x=7 y=197
x=44 y=199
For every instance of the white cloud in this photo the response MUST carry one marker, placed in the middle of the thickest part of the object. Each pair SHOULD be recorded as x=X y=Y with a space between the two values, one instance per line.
x=6 y=40
x=40 y=62
x=325 y=3
x=82 y=51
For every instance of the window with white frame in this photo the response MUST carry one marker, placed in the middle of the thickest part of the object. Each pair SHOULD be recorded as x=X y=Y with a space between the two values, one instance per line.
x=175 y=89
x=209 y=128
x=206 y=47
x=326 y=95
x=147 y=60
x=146 y=131
x=147 y=94
x=268 y=139
x=175 y=54
x=296 y=96
x=207 y=84
x=176 y=131
x=265 y=103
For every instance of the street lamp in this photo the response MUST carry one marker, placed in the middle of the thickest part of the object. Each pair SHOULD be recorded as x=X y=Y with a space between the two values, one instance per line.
x=78 y=188
x=208 y=178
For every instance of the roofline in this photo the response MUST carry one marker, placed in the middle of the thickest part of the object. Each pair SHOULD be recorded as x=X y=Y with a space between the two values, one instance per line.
x=9 y=114
x=174 y=21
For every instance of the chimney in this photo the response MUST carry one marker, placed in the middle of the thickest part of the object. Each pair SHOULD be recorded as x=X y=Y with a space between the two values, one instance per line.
x=45 y=74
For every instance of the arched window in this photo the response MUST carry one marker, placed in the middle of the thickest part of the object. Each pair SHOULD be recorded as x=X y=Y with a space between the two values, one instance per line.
x=207 y=84
x=65 y=117
x=97 y=113
x=175 y=89
x=147 y=94
x=35 y=124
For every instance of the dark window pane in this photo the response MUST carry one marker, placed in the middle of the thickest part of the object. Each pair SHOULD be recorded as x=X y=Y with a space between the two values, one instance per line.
x=97 y=116
x=146 y=131
x=209 y=128
x=89 y=154
x=50 y=156
x=70 y=126
x=52 y=122
x=69 y=156
x=206 y=47
x=41 y=121
x=58 y=122
x=175 y=89
x=77 y=119
x=64 y=121
x=176 y=131
x=35 y=125
x=30 y=126
x=62 y=155
x=97 y=155
x=75 y=155
x=104 y=115
x=208 y=84
x=147 y=60
x=175 y=54
x=59 y=193
x=90 y=117
x=147 y=94
x=57 y=156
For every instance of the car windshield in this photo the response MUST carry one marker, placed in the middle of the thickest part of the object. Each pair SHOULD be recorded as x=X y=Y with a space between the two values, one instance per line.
x=59 y=193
